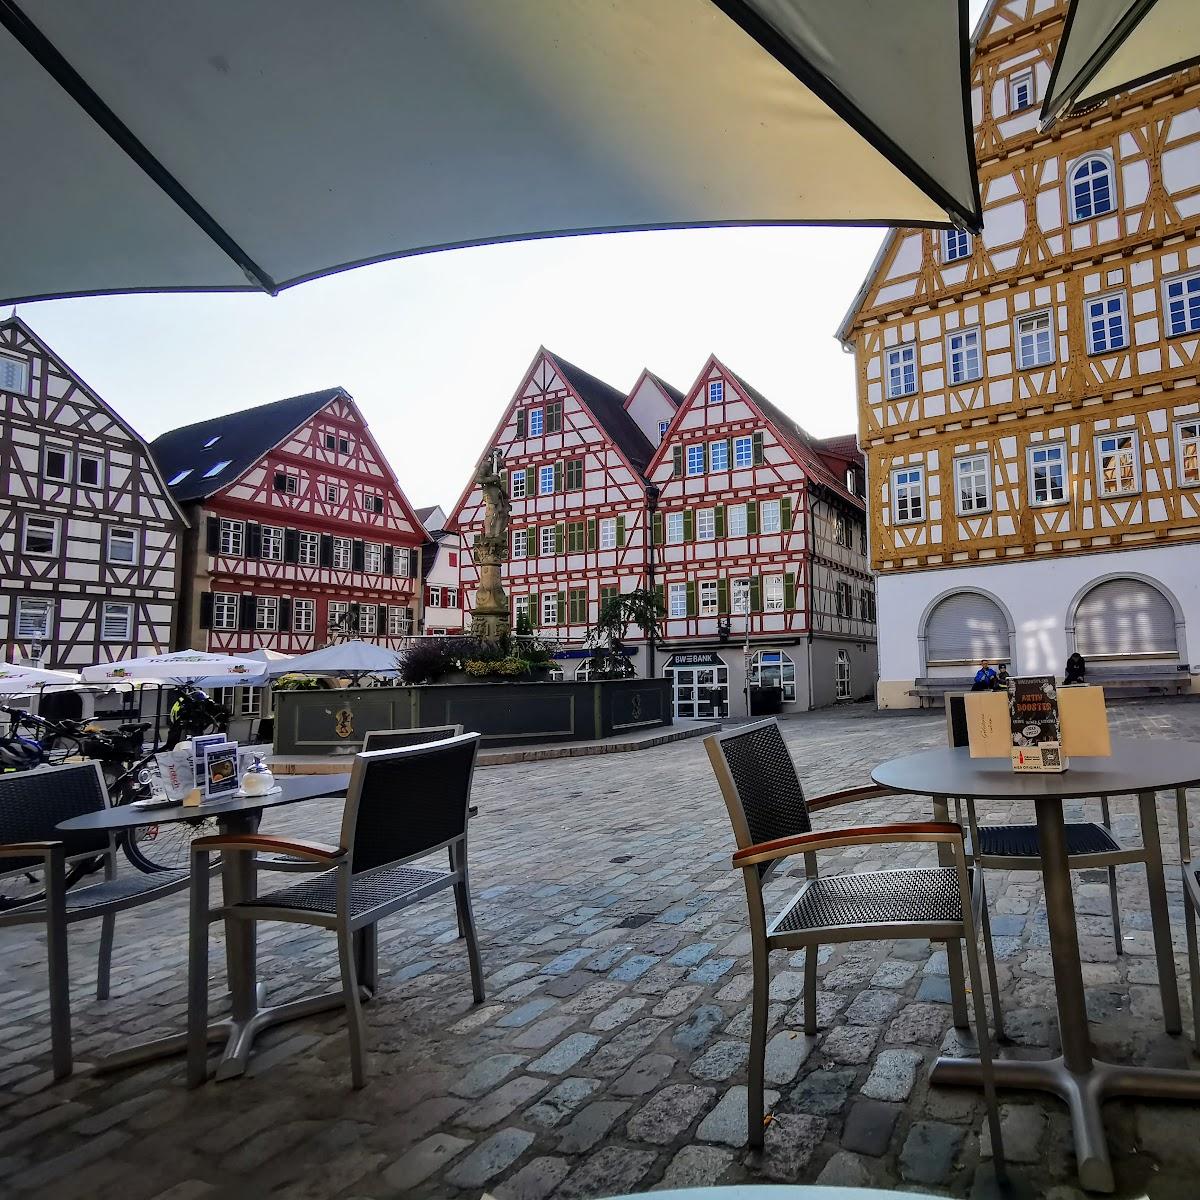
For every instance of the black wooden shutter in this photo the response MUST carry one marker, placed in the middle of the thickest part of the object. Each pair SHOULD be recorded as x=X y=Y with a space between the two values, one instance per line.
x=676 y=460
x=285 y=615
x=414 y=562
x=246 y=612
x=213 y=535
x=357 y=555
x=253 y=539
x=206 y=609
x=291 y=545
x=757 y=448
x=327 y=550
x=520 y=422
x=389 y=560
x=280 y=481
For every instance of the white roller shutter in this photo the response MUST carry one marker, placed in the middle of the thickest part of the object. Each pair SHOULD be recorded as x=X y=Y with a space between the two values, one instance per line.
x=965 y=628
x=1125 y=618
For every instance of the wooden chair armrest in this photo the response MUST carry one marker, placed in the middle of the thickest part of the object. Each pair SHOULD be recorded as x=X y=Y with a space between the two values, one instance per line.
x=314 y=851
x=869 y=791
x=810 y=843
x=28 y=849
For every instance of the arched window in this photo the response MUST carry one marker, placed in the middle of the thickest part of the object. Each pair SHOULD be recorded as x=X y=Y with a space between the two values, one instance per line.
x=964 y=629
x=843 y=688
x=773 y=668
x=1090 y=189
x=1125 y=618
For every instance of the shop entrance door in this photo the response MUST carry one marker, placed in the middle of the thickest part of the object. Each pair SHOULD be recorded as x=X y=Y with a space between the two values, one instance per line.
x=701 y=691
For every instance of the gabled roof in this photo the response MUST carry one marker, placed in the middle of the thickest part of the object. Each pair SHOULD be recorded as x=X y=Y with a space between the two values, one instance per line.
x=423 y=514
x=244 y=438
x=672 y=393
x=845 y=445
x=607 y=405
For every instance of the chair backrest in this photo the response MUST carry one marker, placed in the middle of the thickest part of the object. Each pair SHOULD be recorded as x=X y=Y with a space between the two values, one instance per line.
x=404 y=803
x=32 y=803
x=956 y=719
x=393 y=739
x=759 y=782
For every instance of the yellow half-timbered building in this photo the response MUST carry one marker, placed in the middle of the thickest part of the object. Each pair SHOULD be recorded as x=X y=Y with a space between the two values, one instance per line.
x=1028 y=398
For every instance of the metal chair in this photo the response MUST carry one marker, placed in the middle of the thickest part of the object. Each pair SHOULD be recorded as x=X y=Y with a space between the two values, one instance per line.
x=1191 y=906
x=771 y=821
x=393 y=739
x=32 y=803
x=401 y=806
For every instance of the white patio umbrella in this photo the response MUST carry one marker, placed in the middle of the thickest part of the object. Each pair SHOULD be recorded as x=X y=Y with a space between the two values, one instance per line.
x=16 y=679
x=180 y=666
x=230 y=146
x=1111 y=46
x=261 y=656
x=345 y=658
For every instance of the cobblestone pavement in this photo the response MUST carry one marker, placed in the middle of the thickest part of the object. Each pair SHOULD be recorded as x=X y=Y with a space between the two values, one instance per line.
x=610 y=1054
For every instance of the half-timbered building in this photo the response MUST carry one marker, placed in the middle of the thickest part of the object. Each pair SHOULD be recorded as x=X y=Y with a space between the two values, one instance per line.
x=89 y=533
x=300 y=532
x=441 y=564
x=760 y=548
x=1028 y=398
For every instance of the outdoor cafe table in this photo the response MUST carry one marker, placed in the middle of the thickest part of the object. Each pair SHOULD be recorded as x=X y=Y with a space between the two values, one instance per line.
x=249 y=1013
x=1138 y=767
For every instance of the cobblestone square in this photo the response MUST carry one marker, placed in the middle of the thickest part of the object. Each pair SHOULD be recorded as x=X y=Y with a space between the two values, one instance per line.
x=610 y=1054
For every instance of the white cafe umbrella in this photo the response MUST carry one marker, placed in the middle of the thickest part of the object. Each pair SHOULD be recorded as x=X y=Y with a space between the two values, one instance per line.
x=261 y=656
x=181 y=666
x=167 y=145
x=346 y=658
x=1111 y=46
x=16 y=679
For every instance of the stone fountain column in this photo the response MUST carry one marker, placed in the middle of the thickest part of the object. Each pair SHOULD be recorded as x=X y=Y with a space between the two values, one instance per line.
x=490 y=617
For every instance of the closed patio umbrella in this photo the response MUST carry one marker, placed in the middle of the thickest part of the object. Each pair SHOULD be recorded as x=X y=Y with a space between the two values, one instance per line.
x=229 y=146
x=1111 y=46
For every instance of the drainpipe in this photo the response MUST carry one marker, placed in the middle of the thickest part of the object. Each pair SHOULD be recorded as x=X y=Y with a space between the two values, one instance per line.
x=652 y=495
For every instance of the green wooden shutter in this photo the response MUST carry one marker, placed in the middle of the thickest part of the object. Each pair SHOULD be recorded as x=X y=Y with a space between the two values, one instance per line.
x=530 y=481
x=676 y=460
x=719 y=520
x=785 y=515
x=531 y=542
x=620 y=531
x=723 y=597
x=535 y=611
x=689 y=525
x=562 y=608
x=559 y=537
x=554 y=417
x=704 y=447
x=789 y=590
x=691 y=598
x=755 y=593
x=660 y=598
x=520 y=422
x=558 y=477
x=758 y=449
x=751 y=516
x=591 y=533
x=656 y=530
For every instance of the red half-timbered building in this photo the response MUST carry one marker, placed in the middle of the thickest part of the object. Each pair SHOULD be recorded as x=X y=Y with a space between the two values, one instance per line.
x=300 y=532
x=760 y=537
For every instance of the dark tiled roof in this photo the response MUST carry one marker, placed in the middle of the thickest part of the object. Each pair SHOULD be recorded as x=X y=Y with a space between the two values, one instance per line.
x=673 y=393
x=607 y=405
x=244 y=438
x=845 y=445
x=423 y=514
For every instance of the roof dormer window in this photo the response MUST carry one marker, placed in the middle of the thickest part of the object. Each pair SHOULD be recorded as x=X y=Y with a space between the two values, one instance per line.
x=212 y=441
x=217 y=468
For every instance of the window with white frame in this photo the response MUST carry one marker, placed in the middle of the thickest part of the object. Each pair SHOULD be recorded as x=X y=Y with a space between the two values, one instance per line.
x=1020 y=91
x=14 y=374
x=674 y=528
x=608 y=533
x=516 y=483
x=547 y=540
x=304 y=616
x=1104 y=317
x=368 y=617
x=41 y=535
x=662 y=429
x=973 y=483
x=550 y=608
x=266 y=613
x=308 y=549
x=451 y=597
x=695 y=459
x=250 y=701
x=1182 y=296
x=1090 y=190
x=773 y=593
x=342 y=554
x=768 y=517
x=1047 y=474
x=122 y=546
x=402 y=561
x=716 y=391
x=901 y=370
x=398 y=621
x=536 y=422
x=956 y=244
x=718 y=455
x=1035 y=340
x=373 y=558
x=1116 y=464
x=962 y=352
x=1187 y=447
x=521 y=609
x=233 y=537
x=908 y=495
x=225 y=610
x=735 y=521
x=739 y=596
x=338 y=612
x=843 y=599
x=371 y=502
x=287 y=483
x=56 y=464
x=677 y=600
x=271 y=542
x=116 y=621
x=34 y=618
x=89 y=470
x=842 y=678
x=520 y=543
x=708 y=597
x=773 y=668
x=743 y=452
x=333 y=493
x=841 y=530
x=545 y=480
x=706 y=524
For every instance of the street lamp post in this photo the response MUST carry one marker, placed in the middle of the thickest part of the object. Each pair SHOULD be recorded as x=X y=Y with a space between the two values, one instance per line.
x=652 y=494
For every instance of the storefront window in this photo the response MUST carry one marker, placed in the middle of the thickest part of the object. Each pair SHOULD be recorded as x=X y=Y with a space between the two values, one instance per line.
x=773 y=668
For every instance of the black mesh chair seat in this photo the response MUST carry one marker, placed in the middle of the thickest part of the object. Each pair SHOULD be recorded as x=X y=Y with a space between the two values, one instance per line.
x=919 y=894
x=1022 y=841
x=93 y=899
x=368 y=890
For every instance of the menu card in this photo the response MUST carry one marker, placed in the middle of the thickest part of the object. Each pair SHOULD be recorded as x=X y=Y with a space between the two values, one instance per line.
x=220 y=770
x=1035 y=724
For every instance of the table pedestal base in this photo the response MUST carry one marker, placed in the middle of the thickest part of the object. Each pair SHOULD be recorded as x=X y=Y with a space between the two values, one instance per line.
x=1083 y=1092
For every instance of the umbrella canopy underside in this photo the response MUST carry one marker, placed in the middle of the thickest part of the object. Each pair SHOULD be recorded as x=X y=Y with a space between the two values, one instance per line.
x=234 y=146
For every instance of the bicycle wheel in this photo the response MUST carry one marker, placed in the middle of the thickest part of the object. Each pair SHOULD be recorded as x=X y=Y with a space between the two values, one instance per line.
x=30 y=888
x=166 y=847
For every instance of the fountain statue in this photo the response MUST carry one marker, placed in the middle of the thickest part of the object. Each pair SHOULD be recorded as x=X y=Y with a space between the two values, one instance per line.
x=490 y=619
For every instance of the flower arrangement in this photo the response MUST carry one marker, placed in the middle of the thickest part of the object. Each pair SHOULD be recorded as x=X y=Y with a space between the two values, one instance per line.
x=432 y=659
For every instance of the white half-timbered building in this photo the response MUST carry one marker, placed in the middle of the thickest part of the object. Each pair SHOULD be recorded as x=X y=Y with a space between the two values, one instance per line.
x=1028 y=398
x=89 y=533
x=441 y=562
x=761 y=561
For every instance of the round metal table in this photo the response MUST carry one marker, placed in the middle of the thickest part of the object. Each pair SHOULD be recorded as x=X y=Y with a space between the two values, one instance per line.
x=249 y=1013
x=1138 y=767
